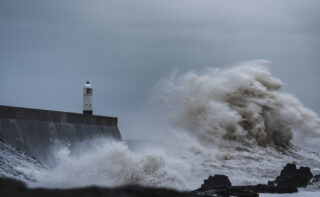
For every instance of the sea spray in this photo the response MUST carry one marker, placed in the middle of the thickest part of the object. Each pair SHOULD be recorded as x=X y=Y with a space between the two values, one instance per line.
x=242 y=104
x=111 y=163
x=15 y=163
x=235 y=122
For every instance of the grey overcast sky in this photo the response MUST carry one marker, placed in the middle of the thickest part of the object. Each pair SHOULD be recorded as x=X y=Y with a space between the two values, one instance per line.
x=50 y=48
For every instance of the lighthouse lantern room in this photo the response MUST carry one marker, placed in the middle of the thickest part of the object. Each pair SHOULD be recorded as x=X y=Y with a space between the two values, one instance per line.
x=87 y=98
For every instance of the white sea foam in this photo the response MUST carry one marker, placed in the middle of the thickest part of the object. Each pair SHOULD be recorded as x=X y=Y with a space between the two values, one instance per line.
x=303 y=193
x=235 y=122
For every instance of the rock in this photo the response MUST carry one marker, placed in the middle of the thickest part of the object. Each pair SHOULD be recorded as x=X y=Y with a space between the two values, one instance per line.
x=271 y=183
x=225 y=192
x=289 y=180
x=261 y=188
x=220 y=185
x=216 y=181
x=248 y=190
x=13 y=188
x=290 y=176
x=11 y=185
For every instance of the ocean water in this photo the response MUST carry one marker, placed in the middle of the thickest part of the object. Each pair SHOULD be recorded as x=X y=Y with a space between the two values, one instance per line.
x=301 y=193
x=235 y=122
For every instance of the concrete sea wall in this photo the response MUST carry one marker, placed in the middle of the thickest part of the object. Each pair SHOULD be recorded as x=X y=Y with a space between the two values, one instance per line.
x=35 y=131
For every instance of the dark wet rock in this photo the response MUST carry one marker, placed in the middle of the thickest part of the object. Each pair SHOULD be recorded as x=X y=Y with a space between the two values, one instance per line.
x=220 y=185
x=243 y=191
x=13 y=188
x=290 y=176
x=10 y=185
x=225 y=192
x=216 y=181
x=271 y=183
x=289 y=181
x=262 y=188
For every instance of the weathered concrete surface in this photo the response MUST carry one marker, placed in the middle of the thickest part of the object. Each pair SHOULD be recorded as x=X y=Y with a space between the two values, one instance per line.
x=35 y=131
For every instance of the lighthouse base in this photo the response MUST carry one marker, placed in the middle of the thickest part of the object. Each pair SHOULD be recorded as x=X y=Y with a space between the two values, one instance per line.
x=87 y=112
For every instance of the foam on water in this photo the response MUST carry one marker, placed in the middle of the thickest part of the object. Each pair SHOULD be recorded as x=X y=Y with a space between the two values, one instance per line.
x=14 y=163
x=235 y=122
x=301 y=193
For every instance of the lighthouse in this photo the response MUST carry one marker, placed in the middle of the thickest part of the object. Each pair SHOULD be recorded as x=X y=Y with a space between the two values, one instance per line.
x=87 y=98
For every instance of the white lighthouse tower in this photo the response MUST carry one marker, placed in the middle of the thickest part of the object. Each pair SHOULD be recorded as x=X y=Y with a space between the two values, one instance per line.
x=87 y=98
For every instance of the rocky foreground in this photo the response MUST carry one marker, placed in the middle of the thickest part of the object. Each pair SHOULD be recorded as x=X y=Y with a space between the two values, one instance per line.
x=13 y=188
x=289 y=181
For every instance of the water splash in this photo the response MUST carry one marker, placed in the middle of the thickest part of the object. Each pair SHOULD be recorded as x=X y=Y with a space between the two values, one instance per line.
x=235 y=122
x=242 y=104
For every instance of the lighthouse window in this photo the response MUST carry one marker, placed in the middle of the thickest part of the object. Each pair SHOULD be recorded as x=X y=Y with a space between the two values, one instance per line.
x=88 y=91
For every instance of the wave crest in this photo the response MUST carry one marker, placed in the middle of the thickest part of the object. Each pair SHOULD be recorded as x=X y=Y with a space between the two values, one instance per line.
x=243 y=103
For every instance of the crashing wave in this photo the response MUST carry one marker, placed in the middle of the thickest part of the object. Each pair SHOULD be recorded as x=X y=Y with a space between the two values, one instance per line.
x=13 y=163
x=242 y=103
x=224 y=122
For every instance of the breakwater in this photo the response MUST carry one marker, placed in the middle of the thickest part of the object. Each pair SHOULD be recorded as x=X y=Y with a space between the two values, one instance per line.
x=35 y=131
